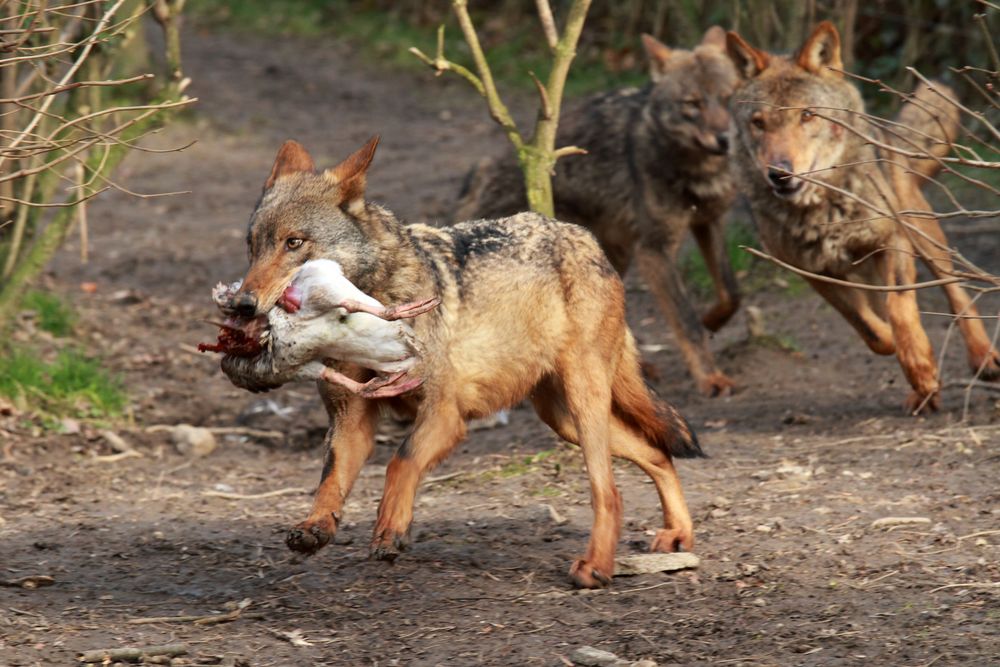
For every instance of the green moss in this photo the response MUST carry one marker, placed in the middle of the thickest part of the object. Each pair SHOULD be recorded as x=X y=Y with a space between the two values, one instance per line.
x=51 y=313
x=71 y=385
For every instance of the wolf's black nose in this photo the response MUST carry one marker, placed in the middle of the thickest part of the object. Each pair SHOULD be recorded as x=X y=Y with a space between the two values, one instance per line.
x=244 y=304
x=778 y=174
x=723 y=140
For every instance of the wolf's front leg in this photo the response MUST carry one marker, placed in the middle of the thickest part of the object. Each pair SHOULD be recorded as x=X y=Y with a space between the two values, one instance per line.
x=349 y=442
x=438 y=428
x=659 y=270
x=913 y=348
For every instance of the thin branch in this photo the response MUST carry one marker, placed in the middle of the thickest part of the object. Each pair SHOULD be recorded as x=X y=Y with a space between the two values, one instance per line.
x=548 y=23
x=847 y=283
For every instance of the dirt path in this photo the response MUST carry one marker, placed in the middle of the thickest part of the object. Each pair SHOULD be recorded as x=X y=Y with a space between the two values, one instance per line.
x=805 y=457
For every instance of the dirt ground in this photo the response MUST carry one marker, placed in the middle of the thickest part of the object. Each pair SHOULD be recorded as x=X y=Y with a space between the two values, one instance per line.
x=810 y=452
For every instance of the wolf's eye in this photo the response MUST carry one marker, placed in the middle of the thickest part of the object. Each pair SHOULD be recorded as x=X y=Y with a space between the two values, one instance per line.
x=293 y=243
x=757 y=122
x=807 y=115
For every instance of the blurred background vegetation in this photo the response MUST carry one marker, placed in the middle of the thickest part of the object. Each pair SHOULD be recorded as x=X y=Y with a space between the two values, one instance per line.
x=881 y=37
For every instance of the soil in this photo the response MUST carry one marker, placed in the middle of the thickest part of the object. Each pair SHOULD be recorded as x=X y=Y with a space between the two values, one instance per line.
x=810 y=451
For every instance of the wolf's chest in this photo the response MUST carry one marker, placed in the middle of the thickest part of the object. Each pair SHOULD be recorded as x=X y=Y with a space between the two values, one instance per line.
x=828 y=239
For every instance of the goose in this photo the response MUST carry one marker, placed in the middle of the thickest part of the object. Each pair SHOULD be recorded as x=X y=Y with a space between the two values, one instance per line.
x=321 y=316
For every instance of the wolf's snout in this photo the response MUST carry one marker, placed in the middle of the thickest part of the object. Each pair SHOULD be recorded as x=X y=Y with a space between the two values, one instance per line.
x=244 y=304
x=723 y=141
x=780 y=180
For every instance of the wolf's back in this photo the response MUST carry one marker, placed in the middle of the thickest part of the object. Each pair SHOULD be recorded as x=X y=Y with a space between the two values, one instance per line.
x=929 y=124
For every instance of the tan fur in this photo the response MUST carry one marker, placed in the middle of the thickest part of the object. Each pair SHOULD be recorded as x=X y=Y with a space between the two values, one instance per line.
x=795 y=115
x=529 y=306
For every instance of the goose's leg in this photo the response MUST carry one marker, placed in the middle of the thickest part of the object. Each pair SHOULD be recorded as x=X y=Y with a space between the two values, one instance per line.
x=377 y=387
x=400 y=312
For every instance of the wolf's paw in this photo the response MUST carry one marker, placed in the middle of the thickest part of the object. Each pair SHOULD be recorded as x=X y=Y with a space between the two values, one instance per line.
x=387 y=544
x=920 y=403
x=716 y=384
x=989 y=363
x=669 y=540
x=309 y=537
x=587 y=575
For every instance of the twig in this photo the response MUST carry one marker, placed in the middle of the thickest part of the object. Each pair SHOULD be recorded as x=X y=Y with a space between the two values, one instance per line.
x=848 y=283
x=292 y=490
x=548 y=23
x=209 y=619
x=109 y=655
x=992 y=584
x=30 y=582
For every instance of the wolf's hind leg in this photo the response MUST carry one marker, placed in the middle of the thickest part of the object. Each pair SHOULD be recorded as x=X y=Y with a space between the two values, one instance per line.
x=711 y=241
x=438 y=428
x=577 y=405
x=981 y=353
x=678 y=531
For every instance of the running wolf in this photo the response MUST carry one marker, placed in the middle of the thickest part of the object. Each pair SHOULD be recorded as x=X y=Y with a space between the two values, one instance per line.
x=656 y=167
x=825 y=197
x=528 y=307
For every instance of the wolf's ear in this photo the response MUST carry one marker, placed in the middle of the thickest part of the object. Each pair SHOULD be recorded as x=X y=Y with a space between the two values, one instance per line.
x=715 y=36
x=658 y=53
x=292 y=159
x=749 y=61
x=822 y=51
x=350 y=175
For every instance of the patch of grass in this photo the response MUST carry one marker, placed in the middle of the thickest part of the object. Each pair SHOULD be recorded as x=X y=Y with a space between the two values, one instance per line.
x=752 y=274
x=779 y=342
x=521 y=465
x=547 y=492
x=51 y=312
x=386 y=37
x=71 y=385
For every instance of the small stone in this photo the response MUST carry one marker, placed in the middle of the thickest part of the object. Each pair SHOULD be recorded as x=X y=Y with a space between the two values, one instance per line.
x=718 y=513
x=634 y=564
x=588 y=656
x=763 y=528
x=981 y=542
x=193 y=441
x=759 y=602
x=755 y=322
x=721 y=502
x=644 y=663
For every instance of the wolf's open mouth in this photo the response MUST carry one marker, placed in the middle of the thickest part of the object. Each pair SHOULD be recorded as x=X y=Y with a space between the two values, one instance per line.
x=238 y=336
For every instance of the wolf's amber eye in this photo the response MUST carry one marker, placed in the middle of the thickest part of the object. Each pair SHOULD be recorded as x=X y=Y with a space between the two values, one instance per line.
x=757 y=122
x=292 y=244
x=807 y=115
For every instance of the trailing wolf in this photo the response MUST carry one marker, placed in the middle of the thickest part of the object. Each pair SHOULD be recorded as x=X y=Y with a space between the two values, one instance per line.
x=528 y=307
x=656 y=167
x=824 y=197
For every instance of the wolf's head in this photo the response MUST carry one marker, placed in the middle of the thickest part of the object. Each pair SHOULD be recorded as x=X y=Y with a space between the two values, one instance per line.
x=691 y=89
x=304 y=215
x=790 y=113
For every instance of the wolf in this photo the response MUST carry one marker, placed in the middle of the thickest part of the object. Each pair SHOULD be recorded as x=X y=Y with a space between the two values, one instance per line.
x=826 y=197
x=528 y=306
x=656 y=167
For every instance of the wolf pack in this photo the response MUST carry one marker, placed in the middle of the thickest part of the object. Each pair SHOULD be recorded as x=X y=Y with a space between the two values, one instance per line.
x=440 y=325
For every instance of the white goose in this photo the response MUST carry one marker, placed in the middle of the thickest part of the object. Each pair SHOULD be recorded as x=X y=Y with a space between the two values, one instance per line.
x=323 y=316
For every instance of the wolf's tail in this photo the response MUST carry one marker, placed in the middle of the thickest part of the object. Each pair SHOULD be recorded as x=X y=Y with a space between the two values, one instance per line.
x=657 y=420
x=929 y=125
